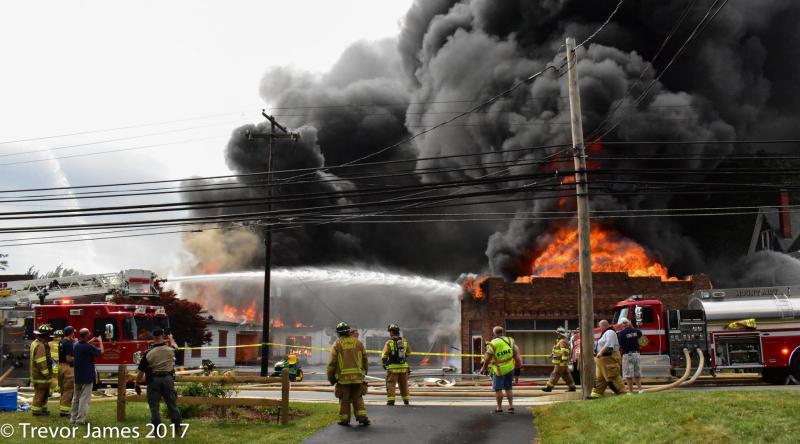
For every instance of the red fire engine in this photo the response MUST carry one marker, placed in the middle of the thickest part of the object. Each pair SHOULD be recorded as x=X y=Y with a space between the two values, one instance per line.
x=748 y=329
x=79 y=301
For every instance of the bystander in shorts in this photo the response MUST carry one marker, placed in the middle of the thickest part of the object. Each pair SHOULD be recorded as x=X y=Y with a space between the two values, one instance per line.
x=630 y=366
x=503 y=382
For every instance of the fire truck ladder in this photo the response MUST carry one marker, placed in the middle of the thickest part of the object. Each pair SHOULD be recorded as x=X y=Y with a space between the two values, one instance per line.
x=67 y=286
x=785 y=307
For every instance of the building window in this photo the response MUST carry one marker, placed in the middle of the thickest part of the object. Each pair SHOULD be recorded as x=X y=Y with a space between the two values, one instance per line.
x=196 y=352
x=223 y=342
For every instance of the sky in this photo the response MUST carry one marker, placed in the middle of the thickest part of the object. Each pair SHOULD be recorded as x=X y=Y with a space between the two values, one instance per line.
x=177 y=75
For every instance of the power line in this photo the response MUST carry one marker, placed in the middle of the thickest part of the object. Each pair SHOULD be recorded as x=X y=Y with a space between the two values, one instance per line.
x=138 y=136
x=140 y=147
x=597 y=31
x=104 y=130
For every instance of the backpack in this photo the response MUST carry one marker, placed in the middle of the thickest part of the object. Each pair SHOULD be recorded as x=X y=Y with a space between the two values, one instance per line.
x=397 y=354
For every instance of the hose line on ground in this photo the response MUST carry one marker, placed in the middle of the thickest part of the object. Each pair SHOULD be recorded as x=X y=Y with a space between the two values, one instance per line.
x=677 y=383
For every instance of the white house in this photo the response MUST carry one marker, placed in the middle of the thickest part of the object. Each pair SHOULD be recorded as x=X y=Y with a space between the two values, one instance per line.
x=222 y=333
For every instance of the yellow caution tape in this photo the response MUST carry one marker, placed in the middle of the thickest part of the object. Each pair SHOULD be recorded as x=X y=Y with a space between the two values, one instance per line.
x=328 y=349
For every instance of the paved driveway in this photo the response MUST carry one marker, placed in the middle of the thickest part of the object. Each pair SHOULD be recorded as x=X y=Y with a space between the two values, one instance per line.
x=434 y=424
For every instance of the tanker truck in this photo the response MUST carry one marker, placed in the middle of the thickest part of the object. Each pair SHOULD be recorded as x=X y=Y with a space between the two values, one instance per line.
x=737 y=329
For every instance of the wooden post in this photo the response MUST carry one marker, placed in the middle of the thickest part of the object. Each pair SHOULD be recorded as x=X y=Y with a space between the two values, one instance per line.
x=584 y=251
x=285 y=396
x=122 y=383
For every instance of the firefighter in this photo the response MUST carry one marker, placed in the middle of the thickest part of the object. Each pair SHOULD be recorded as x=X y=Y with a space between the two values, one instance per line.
x=41 y=370
x=346 y=369
x=608 y=363
x=560 y=358
x=394 y=358
x=66 y=372
x=53 y=344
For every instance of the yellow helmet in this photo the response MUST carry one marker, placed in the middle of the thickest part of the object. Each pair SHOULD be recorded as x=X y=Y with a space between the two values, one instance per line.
x=44 y=330
x=291 y=359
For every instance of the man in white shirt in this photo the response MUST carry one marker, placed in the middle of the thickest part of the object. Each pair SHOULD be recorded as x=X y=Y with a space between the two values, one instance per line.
x=608 y=362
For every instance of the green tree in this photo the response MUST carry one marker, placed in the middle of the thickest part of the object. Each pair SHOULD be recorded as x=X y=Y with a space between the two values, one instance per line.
x=59 y=271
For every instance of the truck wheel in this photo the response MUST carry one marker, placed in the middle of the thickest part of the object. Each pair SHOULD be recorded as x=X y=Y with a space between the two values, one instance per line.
x=794 y=368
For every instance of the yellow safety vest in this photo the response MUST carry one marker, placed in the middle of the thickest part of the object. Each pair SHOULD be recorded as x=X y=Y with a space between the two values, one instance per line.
x=502 y=349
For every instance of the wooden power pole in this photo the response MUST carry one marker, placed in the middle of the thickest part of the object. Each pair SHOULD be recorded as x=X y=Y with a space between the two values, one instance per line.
x=584 y=249
x=265 y=313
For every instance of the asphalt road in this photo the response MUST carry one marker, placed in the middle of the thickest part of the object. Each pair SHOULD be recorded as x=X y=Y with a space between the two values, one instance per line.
x=434 y=424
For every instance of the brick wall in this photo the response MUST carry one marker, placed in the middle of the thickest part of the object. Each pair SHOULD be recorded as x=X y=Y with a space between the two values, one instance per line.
x=557 y=298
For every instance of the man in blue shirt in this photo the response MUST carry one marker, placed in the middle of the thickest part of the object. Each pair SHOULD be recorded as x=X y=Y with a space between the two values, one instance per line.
x=629 y=344
x=84 y=353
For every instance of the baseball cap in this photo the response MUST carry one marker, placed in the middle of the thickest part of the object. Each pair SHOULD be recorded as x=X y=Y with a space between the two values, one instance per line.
x=68 y=330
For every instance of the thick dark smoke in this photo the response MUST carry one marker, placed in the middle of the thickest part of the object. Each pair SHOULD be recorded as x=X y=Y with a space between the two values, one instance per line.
x=739 y=80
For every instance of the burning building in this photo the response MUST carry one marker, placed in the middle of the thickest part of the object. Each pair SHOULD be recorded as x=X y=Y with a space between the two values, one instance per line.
x=530 y=311
x=533 y=306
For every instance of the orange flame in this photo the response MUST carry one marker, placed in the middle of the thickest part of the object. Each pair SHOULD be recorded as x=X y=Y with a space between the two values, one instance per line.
x=473 y=287
x=277 y=323
x=229 y=312
x=610 y=252
x=249 y=313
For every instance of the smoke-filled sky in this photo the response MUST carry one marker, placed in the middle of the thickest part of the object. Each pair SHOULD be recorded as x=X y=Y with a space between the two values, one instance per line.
x=734 y=82
x=416 y=64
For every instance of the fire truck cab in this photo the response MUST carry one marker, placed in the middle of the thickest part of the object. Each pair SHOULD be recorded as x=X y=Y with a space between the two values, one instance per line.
x=126 y=330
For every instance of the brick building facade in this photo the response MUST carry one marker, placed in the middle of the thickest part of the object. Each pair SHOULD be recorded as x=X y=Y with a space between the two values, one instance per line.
x=532 y=311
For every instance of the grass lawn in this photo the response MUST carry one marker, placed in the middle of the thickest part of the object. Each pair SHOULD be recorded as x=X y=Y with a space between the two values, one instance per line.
x=675 y=417
x=199 y=431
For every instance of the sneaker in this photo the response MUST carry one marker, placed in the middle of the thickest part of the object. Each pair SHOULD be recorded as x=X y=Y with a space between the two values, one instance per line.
x=547 y=389
x=406 y=401
x=390 y=402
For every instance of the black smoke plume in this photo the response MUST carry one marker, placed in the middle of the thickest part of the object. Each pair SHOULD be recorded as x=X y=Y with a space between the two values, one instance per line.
x=739 y=80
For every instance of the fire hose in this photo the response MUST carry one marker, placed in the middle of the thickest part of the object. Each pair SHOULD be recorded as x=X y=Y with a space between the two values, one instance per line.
x=677 y=383
x=701 y=362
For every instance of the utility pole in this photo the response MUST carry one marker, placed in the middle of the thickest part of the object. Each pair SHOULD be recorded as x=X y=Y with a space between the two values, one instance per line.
x=265 y=313
x=584 y=250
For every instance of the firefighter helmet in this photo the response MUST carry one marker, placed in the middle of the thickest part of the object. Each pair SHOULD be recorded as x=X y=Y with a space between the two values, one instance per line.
x=44 y=330
x=292 y=359
x=561 y=331
x=393 y=327
x=58 y=333
x=343 y=328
